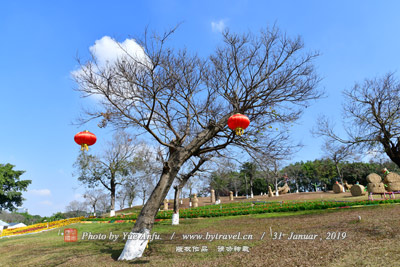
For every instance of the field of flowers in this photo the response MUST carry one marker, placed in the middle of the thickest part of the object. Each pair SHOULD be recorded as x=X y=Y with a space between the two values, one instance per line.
x=39 y=227
x=257 y=207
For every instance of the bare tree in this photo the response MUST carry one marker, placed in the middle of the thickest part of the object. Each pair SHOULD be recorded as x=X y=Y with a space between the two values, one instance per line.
x=276 y=177
x=372 y=120
x=110 y=169
x=235 y=182
x=93 y=197
x=76 y=206
x=337 y=153
x=11 y=217
x=183 y=102
x=127 y=194
x=192 y=184
x=103 y=205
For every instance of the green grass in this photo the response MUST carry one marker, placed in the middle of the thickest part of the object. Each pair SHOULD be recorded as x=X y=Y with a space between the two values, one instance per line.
x=256 y=207
x=374 y=234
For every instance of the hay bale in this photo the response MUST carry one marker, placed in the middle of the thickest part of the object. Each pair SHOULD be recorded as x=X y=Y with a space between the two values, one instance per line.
x=337 y=188
x=357 y=190
x=373 y=178
x=392 y=178
x=376 y=188
x=392 y=187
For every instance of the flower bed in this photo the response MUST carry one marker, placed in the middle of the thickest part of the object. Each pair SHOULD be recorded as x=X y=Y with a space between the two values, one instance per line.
x=39 y=227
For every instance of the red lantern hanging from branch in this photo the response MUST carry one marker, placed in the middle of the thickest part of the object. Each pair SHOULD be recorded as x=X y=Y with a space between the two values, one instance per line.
x=238 y=122
x=85 y=139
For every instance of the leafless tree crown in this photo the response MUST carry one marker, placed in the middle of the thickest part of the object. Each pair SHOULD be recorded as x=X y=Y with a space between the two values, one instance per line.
x=372 y=116
x=176 y=97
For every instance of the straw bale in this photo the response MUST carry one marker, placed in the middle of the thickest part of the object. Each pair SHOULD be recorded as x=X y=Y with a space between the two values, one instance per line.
x=392 y=178
x=357 y=190
x=392 y=187
x=373 y=178
x=337 y=188
x=376 y=188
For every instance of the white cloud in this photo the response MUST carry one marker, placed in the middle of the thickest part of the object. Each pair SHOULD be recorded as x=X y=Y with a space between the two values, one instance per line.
x=107 y=50
x=218 y=26
x=46 y=202
x=40 y=192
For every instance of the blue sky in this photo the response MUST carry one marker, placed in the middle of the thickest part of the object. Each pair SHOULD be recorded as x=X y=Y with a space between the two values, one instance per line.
x=39 y=41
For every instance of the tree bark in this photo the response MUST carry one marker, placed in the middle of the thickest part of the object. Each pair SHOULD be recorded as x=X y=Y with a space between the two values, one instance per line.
x=338 y=171
x=134 y=248
x=175 y=216
x=113 y=186
x=251 y=187
x=247 y=192
x=392 y=151
x=176 y=198
x=276 y=187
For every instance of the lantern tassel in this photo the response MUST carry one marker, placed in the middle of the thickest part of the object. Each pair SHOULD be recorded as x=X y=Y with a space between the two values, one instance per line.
x=84 y=146
x=239 y=131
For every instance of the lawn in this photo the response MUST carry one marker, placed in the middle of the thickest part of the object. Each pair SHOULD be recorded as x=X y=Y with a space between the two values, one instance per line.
x=371 y=241
x=204 y=201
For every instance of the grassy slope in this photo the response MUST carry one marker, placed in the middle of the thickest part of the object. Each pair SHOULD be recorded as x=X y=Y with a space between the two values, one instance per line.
x=203 y=201
x=373 y=241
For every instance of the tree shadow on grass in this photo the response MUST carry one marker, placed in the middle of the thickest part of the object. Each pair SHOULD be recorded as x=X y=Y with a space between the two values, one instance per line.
x=139 y=262
x=108 y=249
x=115 y=253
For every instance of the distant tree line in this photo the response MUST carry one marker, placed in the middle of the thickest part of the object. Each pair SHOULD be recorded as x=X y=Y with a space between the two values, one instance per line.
x=301 y=176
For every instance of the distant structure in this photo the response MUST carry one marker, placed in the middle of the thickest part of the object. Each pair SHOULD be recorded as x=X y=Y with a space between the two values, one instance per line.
x=15 y=225
x=3 y=225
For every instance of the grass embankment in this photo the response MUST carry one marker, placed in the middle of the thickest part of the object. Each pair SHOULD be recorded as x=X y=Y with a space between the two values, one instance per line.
x=296 y=197
x=255 y=207
x=373 y=241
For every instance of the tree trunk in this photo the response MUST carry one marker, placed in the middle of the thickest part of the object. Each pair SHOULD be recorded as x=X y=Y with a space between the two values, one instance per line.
x=122 y=204
x=392 y=151
x=175 y=215
x=112 y=211
x=339 y=174
x=251 y=187
x=235 y=187
x=144 y=197
x=135 y=247
x=247 y=191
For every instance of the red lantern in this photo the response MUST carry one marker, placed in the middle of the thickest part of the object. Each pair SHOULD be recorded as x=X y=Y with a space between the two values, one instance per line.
x=238 y=122
x=85 y=139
